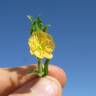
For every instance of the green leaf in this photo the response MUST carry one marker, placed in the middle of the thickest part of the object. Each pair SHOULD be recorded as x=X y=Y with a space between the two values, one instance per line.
x=34 y=26
x=31 y=28
x=45 y=29
x=30 y=18
x=39 y=22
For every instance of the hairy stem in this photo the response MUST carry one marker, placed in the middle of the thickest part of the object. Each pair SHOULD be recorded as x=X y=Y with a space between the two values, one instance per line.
x=39 y=66
x=46 y=67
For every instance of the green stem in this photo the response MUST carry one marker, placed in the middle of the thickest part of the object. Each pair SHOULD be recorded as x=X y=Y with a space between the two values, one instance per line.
x=46 y=67
x=39 y=65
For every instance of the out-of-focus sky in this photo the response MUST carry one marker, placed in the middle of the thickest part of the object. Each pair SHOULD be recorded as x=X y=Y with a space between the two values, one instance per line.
x=73 y=28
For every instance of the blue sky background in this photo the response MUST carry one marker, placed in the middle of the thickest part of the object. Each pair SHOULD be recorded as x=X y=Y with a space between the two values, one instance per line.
x=73 y=28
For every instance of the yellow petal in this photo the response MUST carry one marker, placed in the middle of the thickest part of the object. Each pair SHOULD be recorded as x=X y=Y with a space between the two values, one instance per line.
x=41 y=45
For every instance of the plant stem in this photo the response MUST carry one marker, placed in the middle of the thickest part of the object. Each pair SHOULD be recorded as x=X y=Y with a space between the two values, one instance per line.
x=39 y=65
x=46 y=67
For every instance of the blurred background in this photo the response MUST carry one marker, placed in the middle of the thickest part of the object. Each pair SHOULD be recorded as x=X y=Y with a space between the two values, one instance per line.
x=73 y=26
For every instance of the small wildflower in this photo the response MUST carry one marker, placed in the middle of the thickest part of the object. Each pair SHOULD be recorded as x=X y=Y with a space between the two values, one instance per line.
x=41 y=44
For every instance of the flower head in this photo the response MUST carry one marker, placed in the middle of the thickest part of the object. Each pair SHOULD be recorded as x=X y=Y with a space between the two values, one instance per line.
x=41 y=44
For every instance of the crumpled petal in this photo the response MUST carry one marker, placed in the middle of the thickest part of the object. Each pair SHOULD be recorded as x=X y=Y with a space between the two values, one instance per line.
x=41 y=45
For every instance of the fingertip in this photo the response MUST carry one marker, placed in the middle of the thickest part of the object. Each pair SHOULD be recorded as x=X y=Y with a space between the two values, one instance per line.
x=58 y=73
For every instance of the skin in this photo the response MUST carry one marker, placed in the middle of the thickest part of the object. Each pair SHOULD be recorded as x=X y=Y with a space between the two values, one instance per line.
x=17 y=82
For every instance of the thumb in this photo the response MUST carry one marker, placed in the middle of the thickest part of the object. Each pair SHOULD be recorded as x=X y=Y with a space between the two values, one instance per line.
x=46 y=86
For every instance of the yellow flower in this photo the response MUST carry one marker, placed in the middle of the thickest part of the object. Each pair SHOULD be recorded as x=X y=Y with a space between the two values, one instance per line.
x=41 y=45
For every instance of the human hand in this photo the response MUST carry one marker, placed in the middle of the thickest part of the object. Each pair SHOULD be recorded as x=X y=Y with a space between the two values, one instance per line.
x=17 y=82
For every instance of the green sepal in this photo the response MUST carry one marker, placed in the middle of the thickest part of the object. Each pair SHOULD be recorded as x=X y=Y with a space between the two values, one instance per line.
x=34 y=27
x=45 y=29
x=40 y=22
x=30 y=18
